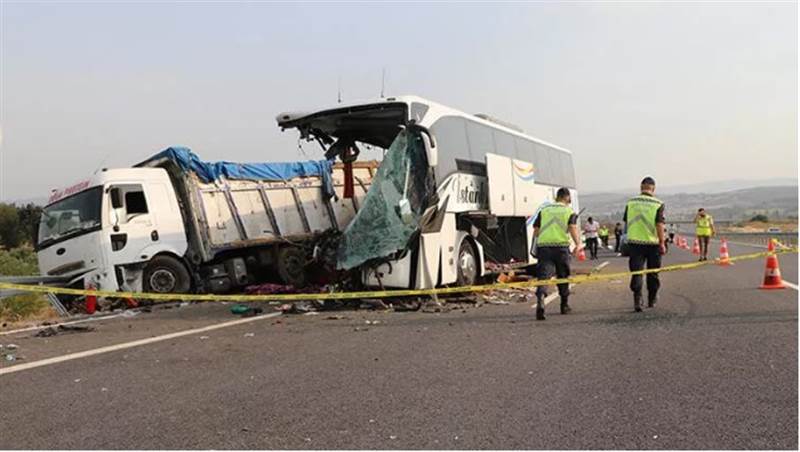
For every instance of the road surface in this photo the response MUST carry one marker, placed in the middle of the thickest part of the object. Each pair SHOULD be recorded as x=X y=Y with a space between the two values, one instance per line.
x=714 y=365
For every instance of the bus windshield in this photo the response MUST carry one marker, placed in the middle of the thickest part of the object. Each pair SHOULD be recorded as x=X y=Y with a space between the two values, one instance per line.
x=77 y=214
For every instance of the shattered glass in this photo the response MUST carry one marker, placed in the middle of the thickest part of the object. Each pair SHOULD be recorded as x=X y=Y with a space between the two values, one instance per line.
x=393 y=206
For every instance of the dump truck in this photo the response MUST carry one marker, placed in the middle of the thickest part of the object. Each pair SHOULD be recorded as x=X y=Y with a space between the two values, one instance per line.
x=176 y=224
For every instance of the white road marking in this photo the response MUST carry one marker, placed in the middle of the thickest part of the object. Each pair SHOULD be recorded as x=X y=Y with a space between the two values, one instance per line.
x=554 y=295
x=123 y=346
x=41 y=327
x=601 y=266
x=551 y=297
x=792 y=285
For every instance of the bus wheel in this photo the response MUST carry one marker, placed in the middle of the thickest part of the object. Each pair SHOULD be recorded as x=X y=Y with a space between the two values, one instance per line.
x=292 y=265
x=467 y=265
x=165 y=274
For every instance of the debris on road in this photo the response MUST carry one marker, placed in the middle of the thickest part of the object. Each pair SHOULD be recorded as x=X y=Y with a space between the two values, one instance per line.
x=50 y=331
x=246 y=311
x=373 y=303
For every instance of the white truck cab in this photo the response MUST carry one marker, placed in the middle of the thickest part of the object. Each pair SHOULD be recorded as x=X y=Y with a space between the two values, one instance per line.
x=103 y=224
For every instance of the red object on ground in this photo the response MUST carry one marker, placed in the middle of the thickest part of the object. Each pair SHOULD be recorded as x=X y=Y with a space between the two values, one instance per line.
x=772 y=272
x=131 y=303
x=582 y=255
x=724 y=258
x=349 y=191
x=696 y=247
x=91 y=302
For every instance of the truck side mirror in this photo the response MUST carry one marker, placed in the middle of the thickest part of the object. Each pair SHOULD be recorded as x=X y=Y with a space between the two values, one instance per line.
x=116 y=198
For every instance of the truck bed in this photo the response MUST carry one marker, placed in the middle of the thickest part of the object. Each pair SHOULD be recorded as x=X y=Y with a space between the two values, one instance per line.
x=243 y=213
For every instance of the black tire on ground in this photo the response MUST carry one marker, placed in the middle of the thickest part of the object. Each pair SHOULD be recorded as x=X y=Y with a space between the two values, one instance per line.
x=291 y=263
x=467 y=266
x=166 y=274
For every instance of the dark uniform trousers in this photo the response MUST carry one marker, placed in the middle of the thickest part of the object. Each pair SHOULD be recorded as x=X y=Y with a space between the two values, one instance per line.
x=639 y=256
x=552 y=258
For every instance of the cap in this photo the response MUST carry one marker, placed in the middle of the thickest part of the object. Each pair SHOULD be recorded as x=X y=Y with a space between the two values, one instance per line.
x=648 y=181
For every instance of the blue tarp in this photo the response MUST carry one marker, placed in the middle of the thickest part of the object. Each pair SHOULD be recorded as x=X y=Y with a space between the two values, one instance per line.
x=211 y=171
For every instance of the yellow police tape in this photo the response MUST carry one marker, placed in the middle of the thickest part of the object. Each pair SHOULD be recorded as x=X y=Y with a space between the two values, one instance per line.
x=579 y=279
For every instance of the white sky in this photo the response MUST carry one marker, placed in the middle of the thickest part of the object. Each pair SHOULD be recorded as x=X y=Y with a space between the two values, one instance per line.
x=685 y=92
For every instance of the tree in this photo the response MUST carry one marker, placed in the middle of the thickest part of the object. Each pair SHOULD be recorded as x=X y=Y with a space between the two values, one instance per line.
x=29 y=215
x=9 y=226
x=760 y=218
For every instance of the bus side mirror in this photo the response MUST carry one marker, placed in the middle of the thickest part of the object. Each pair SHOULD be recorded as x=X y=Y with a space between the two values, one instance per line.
x=430 y=149
x=116 y=198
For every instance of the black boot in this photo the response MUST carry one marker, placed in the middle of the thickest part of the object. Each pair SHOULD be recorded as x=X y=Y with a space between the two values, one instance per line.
x=539 y=310
x=637 y=302
x=565 y=309
x=651 y=300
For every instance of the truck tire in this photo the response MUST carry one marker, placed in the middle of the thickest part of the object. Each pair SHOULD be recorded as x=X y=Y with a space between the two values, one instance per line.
x=467 y=270
x=165 y=274
x=291 y=265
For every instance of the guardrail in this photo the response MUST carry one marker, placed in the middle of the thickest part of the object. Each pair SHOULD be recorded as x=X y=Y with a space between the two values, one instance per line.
x=758 y=238
x=37 y=281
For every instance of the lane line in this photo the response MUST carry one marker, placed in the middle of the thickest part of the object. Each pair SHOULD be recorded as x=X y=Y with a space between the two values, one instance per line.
x=792 y=285
x=601 y=266
x=123 y=346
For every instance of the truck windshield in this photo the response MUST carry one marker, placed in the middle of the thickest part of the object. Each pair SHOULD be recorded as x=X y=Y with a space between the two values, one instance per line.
x=77 y=214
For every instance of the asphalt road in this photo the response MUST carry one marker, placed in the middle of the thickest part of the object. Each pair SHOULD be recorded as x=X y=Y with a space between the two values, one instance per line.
x=714 y=365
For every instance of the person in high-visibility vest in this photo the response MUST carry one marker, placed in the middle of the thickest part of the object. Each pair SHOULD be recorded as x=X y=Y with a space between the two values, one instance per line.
x=552 y=229
x=603 y=233
x=704 y=228
x=644 y=218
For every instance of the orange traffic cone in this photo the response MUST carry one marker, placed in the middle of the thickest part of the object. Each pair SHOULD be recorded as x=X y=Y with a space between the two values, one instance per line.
x=724 y=258
x=772 y=272
x=696 y=247
x=685 y=243
x=581 y=255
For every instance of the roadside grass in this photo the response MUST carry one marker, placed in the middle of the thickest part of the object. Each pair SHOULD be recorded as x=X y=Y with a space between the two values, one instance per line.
x=20 y=262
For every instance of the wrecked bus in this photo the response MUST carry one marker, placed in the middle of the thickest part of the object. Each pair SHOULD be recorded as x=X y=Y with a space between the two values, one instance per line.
x=454 y=198
x=175 y=224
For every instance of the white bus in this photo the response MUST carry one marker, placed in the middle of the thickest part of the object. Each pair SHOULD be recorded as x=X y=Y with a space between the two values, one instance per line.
x=460 y=191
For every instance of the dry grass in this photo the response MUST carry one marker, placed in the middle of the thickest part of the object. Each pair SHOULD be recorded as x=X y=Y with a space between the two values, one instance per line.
x=30 y=307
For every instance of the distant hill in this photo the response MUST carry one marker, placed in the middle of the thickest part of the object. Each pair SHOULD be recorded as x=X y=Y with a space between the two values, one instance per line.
x=776 y=202
x=715 y=187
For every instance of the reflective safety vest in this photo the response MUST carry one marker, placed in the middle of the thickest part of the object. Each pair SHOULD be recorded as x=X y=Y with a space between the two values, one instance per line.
x=603 y=232
x=704 y=225
x=554 y=224
x=641 y=219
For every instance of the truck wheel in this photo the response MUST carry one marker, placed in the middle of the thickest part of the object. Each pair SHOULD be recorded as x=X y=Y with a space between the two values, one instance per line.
x=165 y=274
x=467 y=272
x=292 y=266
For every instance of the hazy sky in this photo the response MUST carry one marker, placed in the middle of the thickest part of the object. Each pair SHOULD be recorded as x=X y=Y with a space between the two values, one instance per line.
x=685 y=92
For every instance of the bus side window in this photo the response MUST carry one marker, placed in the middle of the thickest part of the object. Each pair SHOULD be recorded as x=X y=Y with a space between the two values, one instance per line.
x=480 y=141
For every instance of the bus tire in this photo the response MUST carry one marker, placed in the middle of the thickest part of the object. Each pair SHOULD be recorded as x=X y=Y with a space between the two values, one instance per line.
x=166 y=274
x=291 y=265
x=467 y=270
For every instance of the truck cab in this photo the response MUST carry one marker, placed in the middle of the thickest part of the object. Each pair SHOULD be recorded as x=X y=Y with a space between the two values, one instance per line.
x=103 y=230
